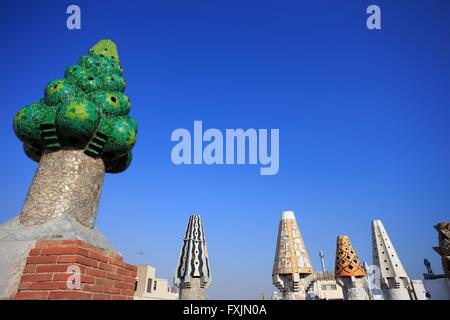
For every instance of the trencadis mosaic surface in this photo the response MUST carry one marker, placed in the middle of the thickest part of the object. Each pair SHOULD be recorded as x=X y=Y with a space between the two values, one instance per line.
x=87 y=109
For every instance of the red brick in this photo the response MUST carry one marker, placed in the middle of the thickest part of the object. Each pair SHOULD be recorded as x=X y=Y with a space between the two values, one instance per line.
x=115 y=256
x=77 y=259
x=59 y=250
x=127 y=292
x=71 y=294
x=95 y=272
x=68 y=259
x=119 y=298
x=108 y=254
x=49 y=285
x=97 y=296
x=73 y=242
x=130 y=267
x=116 y=262
x=41 y=259
x=114 y=276
x=36 y=277
x=89 y=247
x=104 y=282
x=123 y=285
x=87 y=279
x=96 y=256
x=111 y=290
x=124 y=272
x=128 y=279
x=99 y=251
x=90 y=262
x=35 y=252
x=31 y=295
x=24 y=286
x=121 y=264
x=92 y=288
x=61 y=276
x=29 y=269
x=83 y=252
x=107 y=267
x=56 y=268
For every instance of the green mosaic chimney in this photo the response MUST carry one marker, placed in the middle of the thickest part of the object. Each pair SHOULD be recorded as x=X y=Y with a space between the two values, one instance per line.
x=86 y=110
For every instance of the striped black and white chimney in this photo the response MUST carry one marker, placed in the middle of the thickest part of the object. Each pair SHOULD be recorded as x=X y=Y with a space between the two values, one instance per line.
x=193 y=273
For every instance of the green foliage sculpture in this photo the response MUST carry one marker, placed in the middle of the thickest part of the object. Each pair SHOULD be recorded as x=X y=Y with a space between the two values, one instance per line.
x=86 y=110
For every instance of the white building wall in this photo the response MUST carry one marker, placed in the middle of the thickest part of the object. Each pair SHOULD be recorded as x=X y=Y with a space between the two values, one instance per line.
x=149 y=287
x=419 y=289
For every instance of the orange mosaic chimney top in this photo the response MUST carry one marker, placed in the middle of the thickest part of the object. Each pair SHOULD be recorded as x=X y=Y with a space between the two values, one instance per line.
x=347 y=262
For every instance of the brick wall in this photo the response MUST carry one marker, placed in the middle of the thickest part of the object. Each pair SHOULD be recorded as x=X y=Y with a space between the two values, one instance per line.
x=103 y=274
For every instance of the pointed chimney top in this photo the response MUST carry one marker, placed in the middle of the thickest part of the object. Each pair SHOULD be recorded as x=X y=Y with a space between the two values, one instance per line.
x=194 y=261
x=291 y=256
x=384 y=254
x=347 y=261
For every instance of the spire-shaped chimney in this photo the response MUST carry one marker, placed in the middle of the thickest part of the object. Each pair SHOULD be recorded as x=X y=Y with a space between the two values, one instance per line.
x=395 y=283
x=292 y=264
x=193 y=273
x=349 y=272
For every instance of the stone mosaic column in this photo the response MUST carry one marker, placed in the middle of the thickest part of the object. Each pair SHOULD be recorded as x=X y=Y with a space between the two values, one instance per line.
x=66 y=182
x=292 y=268
x=349 y=271
x=77 y=132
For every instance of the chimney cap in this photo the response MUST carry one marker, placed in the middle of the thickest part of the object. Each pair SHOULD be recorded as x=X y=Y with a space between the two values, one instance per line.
x=287 y=215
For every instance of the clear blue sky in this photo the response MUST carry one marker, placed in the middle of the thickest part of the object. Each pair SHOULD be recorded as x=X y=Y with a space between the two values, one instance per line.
x=363 y=118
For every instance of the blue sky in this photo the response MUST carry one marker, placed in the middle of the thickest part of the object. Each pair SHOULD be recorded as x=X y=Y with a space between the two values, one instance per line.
x=363 y=118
